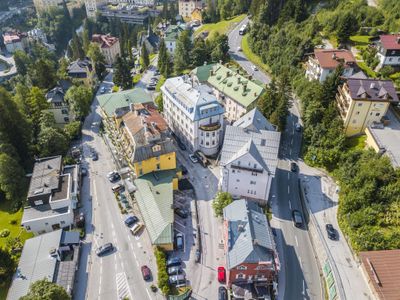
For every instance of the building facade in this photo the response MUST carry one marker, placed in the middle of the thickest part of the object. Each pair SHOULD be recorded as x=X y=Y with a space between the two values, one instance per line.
x=193 y=113
x=15 y=41
x=389 y=50
x=251 y=256
x=186 y=7
x=324 y=62
x=249 y=157
x=171 y=35
x=362 y=102
x=91 y=8
x=58 y=106
x=42 y=5
x=109 y=46
x=53 y=194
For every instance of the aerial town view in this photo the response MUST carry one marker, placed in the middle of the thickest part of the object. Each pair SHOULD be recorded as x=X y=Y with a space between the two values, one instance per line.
x=199 y=149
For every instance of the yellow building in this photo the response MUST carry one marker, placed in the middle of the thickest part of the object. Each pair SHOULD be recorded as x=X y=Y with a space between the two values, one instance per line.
x=196 y=15
x=362 y=102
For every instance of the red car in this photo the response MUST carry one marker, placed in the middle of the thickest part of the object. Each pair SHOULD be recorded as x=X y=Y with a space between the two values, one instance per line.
x=145 y=272
x=221 y=275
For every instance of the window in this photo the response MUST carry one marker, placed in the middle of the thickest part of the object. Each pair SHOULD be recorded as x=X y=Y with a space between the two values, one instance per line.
x=38 y=202
x=213 y=142
x=62 y=222
x=201 y=142
x=66 y=119
x=64 y=111
x=252 y=182
x=240 y=276
x=359 y=104
x=207 y=134
x=140 y=172
x=158 y=166
x=207 y=143
x=253 y=173
x=233 y=171
x=139 y=163
x=28 y=227
x=237 y=180
x=213 y=134
x=390 y=59
x=263 y=141
x=255 y=166
x=377 y=114
x=241 y=268
x=357 y=113
x=46 y=223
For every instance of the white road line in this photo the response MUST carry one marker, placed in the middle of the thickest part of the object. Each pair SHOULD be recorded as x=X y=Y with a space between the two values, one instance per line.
x=297 y=243
x=134 y=254
x=290 y=205
x=288 y=175
x=288 y=189
x=148 y=293
x=137 y=263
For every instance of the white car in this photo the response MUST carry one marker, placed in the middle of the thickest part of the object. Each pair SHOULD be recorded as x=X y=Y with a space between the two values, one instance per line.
x=103 y=90
x=239 y=49
x=254 y=68
x=193 y=158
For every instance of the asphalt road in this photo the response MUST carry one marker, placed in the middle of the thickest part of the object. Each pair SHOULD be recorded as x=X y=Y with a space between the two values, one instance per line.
x=300 y=277
x=117 y=274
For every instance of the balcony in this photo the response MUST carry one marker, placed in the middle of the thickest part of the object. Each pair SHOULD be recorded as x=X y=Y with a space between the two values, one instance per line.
x=247 y=168
x=210 y=127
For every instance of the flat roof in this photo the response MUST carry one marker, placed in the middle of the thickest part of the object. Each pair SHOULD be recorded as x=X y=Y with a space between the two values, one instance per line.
x=387 y=138
x=41 y=212
x=383 y=270
x=63 y=192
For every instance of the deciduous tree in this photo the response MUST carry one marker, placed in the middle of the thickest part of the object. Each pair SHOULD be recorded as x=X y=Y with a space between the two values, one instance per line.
x=46 y=290
x=221 y=200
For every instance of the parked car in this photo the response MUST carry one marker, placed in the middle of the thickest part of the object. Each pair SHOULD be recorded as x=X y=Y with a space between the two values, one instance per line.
x=113 y=176
x=193 y=158
x=222 y=293
x=201 y=158
x=146 y=273
x=175 y=270
x=95 y=156
x=184 y=170
x=174 y=261
x=180 y=144
x=221 y=274
x=102 y=90
x=331 y=231
x=177 y=280
x=197 y=256
x=104 y=249
x=84 y=171
x=293 y=166
x=179 y=241
x=297 y=218
x=136 y=228
x=129 y=221
x=118 y=188
x=239 y=49
x=298 y=127
x=156 y=72
x=181 y=212
x=151 y=87
x=254 y=68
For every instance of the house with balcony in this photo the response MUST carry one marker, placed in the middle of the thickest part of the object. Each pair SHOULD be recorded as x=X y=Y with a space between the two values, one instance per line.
x=81 y=69
x=58 y=106
x=389 y=51
x=325 y=61
x=362 y=102
x=193 y=114
x=235 y=92
x=249 y=157
x=186 y=7
x=109 y=46
x=171 y=35
x=252 y=262
x=52 y=196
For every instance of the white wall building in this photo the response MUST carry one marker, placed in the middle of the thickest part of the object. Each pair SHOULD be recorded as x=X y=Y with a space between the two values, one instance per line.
x=109 y=46
x=249 y=157
x=41 y=5
x=389 y=50
x=186 y=7
x=194 y=114
x=52 y=196
x=58 y=107
x=15 y=41
x=91 y=8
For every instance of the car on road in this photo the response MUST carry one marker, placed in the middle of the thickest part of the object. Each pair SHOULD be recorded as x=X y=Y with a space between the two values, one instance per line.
x=239 y=49
x=136 y=228
x=156 y=72
x=117 y=188
x=95 y=156
x=146 y=273
x=193 y=158
x=177 y=280
x=297 y=218
x=181 y=212
x=129 y=221
x=151 y=86
x=175 y=270
x=179 y=242
x=330 y=231
x=221 y=274
x=102 y=90
x=297 y=127
x=222 y=293
x=197 y=256
x=254 y=68
x=104 y=249
x=174 y=261
x=113 y=176
x=293 y=166
x=84 y=171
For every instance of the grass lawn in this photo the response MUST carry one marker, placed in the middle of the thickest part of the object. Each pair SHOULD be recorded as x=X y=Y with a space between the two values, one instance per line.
x=255 y=59
x=220 y=27
x=356 y=143
x=360 y=39
x=367 y=70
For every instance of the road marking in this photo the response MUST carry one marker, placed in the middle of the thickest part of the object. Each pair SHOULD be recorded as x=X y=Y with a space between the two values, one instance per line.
x=290 y=205
x=123 y=290
x=291 y=142
x=148 y=293
x=137 y=263
x=288 y=189
x=134 y=254
x=297 y=243
x=288 y=175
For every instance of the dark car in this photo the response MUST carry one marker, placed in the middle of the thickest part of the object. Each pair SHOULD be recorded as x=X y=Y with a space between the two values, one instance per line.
x=179 y=241
x=145 y=272
x=181 y=212
x=104 y=249
x=297 y=218
x=331 y=231
x=174 y=261
x=151 y=87
x=222 y=293
x=293 y=167
x=84 y=171
x=175 y=270
x=95 y=156
x=298 y=127
x=130 y=221
x=184 y=170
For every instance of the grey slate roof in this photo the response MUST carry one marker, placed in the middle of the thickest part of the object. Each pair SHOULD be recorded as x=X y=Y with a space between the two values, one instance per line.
x=55 y=95
x=255 y=121
x=264 y=146
x=41 y=212
x=70 y=237
x=45 y=176
x=79 y=66
x=250 y=239
x=35 y=263
x=372 y=89
x=145 y=152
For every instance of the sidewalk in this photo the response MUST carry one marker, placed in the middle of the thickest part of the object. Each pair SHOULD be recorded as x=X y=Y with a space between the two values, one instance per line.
x=322 y=199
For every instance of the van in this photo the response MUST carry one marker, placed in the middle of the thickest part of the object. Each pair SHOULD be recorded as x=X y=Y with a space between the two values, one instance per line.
x=136 y=228
x=117 y=188
x=177 y=279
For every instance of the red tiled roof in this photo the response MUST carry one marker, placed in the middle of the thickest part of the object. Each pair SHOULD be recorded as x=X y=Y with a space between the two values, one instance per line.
x=331 y=58
x=390 y=41
x=383 y=269
x=13 y=37
x=105 y=41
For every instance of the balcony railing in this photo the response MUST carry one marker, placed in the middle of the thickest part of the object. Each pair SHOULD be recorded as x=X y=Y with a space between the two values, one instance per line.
x=210 y=127
x=247 y=168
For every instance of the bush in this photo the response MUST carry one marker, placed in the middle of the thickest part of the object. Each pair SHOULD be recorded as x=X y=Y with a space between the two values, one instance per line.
x=115 y=89
x=222 y=199
x=4 y=233
x=161 y=259
x=13 y=222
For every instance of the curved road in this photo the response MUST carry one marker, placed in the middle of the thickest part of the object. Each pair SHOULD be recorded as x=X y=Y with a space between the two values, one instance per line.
x=300 y=277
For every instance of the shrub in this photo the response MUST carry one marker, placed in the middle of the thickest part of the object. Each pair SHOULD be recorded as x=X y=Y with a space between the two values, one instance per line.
x=161 y=259
x=4 y=233
x=221 y=200
x=13 y=222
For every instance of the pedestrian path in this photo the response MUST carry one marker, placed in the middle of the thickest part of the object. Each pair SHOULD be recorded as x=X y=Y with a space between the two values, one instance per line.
x=123 y=291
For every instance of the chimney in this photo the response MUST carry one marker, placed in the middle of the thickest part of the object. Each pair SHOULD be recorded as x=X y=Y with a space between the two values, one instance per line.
x=238 y=80
x=244 y=87
x=398 y=40
x=372 y=86
x=227 y=73
x=334 y=55
x=131 y=107
x=255 y=94
x=211 y=72
x=240 y=227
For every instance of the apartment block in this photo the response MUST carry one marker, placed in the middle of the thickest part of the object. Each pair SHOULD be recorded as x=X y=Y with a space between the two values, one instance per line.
x=186 y=7
x=109 y=46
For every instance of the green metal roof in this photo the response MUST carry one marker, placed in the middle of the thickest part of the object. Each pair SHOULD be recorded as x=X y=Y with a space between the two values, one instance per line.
x=203 y=72
x=154 y=196
x=112 y=101
x=172 y=33
x=234 y=85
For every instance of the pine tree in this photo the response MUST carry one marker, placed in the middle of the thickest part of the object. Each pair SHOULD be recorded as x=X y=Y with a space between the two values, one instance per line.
x=162 y=57
x=122 y=74
x=182 y=52
x=144 y=56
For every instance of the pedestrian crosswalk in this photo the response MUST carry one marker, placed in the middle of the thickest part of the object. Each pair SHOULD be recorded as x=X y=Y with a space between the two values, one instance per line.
x=123 y=291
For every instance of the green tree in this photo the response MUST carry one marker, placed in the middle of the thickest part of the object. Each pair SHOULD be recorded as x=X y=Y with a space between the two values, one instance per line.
x=144 y=56
x=43 y=73
x=98 y=60
x=7 y=265
x=36 y=103
x=182 y=52
x=347 y=26
x=62 y=71
x=77 y=50
x=73 y=130
x=221 y=200
x=386 y=71
x=122 y=73
x=11 y=177
x=199 y=53
x=46 y=290
x=220 y=45
x=159 y=102
x=52 y=141
x=22 y=61
x=162 y=57
x=85 y=40
x=79 y=98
